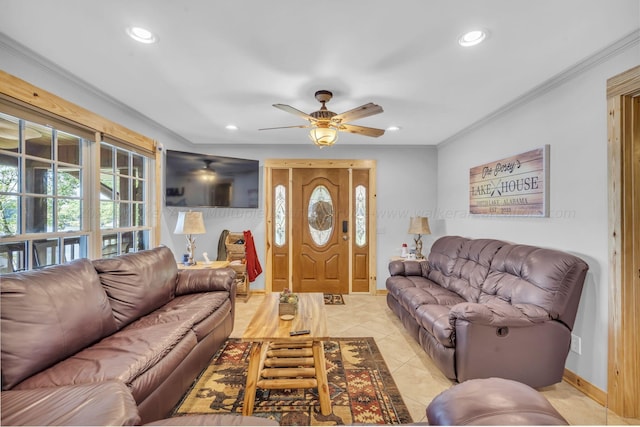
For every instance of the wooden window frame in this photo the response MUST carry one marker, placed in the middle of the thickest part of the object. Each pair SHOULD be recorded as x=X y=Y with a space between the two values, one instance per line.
x=24 y=94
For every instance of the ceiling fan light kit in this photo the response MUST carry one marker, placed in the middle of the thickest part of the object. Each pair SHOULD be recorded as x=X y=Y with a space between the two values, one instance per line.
x=326 y=124
x=323 y=136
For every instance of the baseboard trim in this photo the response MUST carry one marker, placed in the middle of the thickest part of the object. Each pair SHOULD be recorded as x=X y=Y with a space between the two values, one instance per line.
x=585 y=387
x=381 y=292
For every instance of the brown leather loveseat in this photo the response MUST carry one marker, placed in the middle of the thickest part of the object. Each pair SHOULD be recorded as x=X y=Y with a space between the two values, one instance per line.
x=134 y=319
x=487 y=308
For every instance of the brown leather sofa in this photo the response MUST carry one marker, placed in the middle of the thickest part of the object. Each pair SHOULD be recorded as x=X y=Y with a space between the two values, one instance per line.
x=134 y=319
x=487 y=308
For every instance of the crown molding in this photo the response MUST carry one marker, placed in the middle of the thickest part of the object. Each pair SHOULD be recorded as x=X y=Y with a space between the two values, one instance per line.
x=47 y=66
x=626 y=42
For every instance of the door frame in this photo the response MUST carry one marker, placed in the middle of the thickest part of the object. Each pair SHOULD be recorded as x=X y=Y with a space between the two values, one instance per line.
x=290 y=164
x=623 y=150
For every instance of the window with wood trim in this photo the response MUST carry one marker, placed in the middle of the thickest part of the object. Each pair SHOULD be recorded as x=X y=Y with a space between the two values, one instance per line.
x=47 y=196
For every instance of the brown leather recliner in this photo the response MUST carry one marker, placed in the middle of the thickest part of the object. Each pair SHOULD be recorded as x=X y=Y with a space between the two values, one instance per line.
x=487 y=308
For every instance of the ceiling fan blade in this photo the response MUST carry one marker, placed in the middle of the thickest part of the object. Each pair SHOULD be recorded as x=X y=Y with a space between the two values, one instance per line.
x=287 y=127
x=362 y=130
x=290 y=109
x=365 y=110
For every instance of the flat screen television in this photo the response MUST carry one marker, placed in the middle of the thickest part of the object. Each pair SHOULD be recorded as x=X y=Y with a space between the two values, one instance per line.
x=201 y=180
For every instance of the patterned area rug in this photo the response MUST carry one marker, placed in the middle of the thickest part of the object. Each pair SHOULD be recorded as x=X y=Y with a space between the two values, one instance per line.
x=333 y=299
x=361 y=388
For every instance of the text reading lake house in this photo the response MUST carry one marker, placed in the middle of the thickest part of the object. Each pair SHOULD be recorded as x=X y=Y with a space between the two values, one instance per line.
x=516 y=185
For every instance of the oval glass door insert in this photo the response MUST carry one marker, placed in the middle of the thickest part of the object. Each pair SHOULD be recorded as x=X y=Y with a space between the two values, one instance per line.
x=320 y=215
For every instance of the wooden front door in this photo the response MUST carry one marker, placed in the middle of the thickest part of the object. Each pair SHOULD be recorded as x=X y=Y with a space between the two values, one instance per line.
x=321 y=229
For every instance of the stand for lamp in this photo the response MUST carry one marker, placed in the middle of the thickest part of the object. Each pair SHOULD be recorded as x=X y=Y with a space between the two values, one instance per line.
x=191 y=247
x=418 y=241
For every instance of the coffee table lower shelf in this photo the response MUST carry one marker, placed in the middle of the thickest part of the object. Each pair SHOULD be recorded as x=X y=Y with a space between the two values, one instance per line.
x=287 y=364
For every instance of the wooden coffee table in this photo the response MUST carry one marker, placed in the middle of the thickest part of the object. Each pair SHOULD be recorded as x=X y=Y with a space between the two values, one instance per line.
x=280 y=361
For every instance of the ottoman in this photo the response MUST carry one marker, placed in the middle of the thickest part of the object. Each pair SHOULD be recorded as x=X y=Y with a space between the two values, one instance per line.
x=492 y=401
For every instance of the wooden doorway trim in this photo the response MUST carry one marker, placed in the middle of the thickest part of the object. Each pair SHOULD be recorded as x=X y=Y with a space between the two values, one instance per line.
x=271 y=164
x=623 y=148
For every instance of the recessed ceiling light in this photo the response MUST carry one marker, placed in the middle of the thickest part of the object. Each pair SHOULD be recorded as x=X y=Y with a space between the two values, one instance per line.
x=231 y=127
x=472 y=38
x=141 y=35
x=393 y=128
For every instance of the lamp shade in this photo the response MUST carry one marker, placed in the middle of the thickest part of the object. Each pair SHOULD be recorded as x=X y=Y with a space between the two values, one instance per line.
x=419 y=225
x=323 y=135
x=190 y=223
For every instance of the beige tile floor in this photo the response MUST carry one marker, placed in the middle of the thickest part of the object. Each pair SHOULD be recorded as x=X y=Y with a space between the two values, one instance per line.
x=415 y=375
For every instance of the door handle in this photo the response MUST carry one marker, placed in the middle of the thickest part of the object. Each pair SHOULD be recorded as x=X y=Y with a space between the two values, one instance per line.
x=345 y=227
x=345 y=237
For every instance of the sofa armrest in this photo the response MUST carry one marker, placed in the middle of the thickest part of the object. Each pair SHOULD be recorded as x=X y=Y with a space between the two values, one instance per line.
x=409 y=268
x=102 y=404
x=205 y=280
x=498 y=314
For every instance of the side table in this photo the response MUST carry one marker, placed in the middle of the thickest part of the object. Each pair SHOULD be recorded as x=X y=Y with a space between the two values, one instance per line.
x=201 y=265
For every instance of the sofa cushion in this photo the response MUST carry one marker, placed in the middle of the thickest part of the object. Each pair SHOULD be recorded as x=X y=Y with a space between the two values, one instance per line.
x=48 y=315
x=122 y=356
x=524 y=274
x=102 y=404
x=200 y=312
x=138 y=283
x=435 y=319
x=464 y=269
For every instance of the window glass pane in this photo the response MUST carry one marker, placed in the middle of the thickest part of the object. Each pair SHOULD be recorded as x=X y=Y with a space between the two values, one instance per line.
x=123 y=188
x=127 y=242
x=109 y=245
x=281 y=215
x=69 y=148
x=138 y=166
x=40 y=214
x=138 y=190
x=106 y=157
x=9 y=215
x=45 y=252
x=12 y=256
x=9 y=133
x=142 y=240
x=9 y=168
x=106 y=186
x=38 y=140
x=68 y=182
x=124 y=214
x=320 y=215
x=107 y=214
x=38 y=177
x=122 y=162
x=69 y=215
x=74 y=248
x=361 y=215
x=137 y=216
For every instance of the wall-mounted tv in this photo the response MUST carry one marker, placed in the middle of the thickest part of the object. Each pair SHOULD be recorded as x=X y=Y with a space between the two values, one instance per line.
x=200 y=180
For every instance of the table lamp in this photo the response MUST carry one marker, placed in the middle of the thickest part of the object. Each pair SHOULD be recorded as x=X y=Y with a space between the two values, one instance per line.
x=419 y=225
x=190 y=223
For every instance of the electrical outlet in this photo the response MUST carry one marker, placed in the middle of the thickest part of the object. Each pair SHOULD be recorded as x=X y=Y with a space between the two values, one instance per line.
x=576 y=344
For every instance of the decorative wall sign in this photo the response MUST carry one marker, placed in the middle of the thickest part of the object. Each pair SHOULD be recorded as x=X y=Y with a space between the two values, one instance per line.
x=517 y=185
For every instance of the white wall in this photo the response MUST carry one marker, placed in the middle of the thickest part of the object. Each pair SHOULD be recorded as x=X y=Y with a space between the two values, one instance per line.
x=571 y=118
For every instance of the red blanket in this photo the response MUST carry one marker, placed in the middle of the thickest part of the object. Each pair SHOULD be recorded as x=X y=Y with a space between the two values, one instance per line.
x=253 y=264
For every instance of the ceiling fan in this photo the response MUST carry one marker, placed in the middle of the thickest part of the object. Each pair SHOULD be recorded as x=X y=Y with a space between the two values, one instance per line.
x=326 y=124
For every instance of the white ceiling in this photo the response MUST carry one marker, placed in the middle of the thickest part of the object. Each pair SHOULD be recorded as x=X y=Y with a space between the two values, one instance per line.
x=227 y=61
